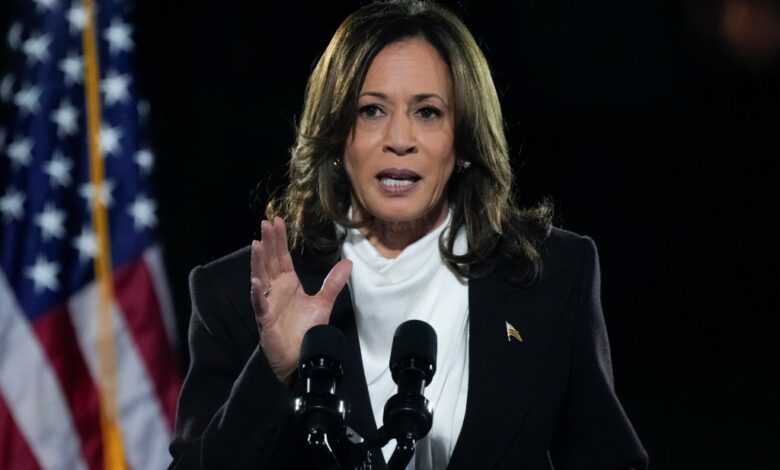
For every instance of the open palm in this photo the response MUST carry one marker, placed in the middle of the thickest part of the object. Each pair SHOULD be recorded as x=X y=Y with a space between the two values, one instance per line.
x=283 y=311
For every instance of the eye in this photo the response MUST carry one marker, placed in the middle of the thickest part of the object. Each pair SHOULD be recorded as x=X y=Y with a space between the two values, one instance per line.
x=429 y=113
x=370 y=111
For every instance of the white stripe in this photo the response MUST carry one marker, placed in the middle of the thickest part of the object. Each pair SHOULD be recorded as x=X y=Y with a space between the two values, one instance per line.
x=142 y=421
x=32 y=390
x=153 y=259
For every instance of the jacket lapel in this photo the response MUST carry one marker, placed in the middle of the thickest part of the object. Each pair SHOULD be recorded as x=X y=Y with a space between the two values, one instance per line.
x=353 y=384
x=503 y=372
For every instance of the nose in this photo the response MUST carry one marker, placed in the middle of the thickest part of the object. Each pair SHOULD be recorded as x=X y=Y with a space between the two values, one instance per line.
x=400 y=136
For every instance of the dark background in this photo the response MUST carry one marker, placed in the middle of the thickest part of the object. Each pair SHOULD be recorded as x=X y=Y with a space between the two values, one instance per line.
x=648 y=122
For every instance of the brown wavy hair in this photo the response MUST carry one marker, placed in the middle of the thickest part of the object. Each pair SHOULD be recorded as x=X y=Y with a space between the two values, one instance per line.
x=481 y=198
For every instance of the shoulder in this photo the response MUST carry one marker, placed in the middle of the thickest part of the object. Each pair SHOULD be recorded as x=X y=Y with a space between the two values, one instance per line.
x=223 y=280
x=223 y=270
x=564 y=243
x=565 y=250
x=219 y=292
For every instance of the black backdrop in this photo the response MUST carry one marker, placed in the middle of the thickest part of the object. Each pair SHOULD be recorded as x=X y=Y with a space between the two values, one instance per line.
x=647 y=135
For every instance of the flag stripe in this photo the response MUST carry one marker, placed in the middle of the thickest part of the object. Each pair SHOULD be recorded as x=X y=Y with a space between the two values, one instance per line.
x=137 y=300
x=14 y=453
x=56 y=334
x=142 y=419
x=35 y=399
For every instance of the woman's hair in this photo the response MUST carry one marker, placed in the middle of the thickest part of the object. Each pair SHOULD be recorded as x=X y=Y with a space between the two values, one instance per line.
x=481 y=198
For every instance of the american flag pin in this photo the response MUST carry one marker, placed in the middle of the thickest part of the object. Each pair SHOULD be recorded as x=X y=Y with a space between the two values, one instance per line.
x=511 y=332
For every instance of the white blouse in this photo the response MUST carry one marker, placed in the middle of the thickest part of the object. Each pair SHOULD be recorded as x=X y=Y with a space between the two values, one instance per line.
x=415 y=285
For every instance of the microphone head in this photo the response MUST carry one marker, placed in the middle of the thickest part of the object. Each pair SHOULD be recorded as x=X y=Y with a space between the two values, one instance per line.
x=323 y=341
x=414 y=339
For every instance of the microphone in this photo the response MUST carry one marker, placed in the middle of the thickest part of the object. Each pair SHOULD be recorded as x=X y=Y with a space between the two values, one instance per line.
x=318 y=412
x=408 y=415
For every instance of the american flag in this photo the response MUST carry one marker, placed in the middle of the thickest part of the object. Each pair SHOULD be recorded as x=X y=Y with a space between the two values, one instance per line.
x=88 y=377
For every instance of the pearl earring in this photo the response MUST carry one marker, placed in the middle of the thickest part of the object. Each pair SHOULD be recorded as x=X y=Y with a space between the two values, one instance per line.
x=462 y=165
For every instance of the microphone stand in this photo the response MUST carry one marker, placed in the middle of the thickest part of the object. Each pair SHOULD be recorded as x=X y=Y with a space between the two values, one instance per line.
x=317 y=440
x=403 y=453
x=408 y=415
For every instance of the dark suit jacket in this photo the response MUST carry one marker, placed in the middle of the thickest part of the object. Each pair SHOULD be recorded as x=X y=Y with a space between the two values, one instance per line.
x=547 y=402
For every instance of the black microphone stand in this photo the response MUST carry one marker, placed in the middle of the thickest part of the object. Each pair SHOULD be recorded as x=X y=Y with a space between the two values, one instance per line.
x=317 y=440
x=408 y=416
x=403 y=453
x=319 y=413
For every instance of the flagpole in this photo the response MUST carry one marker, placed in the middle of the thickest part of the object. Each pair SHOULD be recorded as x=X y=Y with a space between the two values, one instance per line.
x=114 y=456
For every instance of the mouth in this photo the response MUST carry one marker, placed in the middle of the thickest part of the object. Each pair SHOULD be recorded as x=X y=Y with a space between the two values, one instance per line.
x=397 y=178
x=397 y=181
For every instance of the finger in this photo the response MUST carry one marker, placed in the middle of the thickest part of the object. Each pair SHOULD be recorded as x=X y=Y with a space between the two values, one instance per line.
x=336 y=280
x=258 y=262
x=269 y=249
x=285 y=261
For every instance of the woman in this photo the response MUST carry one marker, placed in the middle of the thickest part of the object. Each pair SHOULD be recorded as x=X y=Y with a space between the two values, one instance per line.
x=401 y=190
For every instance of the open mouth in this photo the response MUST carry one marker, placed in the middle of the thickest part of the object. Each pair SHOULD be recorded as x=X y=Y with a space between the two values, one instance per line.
x=397 y=179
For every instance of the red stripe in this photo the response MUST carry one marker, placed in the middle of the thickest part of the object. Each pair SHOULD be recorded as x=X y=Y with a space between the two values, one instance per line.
x=138 y=301
x=14 y=452
x=58 y=338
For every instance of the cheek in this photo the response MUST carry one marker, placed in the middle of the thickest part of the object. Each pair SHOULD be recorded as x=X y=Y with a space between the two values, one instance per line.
x=352 y=168
x=356 y=156
x=447 y=164
x=355 y=169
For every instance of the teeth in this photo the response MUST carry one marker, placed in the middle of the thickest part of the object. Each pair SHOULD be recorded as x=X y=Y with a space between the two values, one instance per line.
x=394 y=182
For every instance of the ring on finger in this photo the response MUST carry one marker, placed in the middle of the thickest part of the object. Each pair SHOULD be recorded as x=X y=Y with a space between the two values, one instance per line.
x=267 y=291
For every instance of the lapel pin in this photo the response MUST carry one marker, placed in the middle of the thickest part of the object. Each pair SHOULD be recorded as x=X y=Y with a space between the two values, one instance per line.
x=511 y=332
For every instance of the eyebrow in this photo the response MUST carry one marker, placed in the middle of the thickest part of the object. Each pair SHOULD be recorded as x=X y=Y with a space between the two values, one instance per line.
x=417 y=98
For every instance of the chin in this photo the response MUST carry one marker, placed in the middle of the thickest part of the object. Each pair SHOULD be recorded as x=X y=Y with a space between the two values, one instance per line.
x=406 y=215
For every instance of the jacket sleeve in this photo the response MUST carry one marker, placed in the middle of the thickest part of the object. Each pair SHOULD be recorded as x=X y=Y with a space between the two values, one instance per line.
x=233 y=412
x=594 y=431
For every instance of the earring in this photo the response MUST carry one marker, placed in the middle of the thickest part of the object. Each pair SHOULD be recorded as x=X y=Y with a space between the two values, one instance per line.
x=462 y=165
x=336 y=163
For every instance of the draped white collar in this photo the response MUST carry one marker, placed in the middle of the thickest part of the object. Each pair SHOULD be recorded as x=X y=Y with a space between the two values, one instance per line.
x=414 y=285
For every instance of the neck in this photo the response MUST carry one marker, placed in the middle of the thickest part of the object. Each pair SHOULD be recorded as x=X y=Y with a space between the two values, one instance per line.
x=390 y=238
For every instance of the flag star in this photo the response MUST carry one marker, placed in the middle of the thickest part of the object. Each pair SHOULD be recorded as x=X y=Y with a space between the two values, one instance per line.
x=109 y=140
x=20 y=152
x=45 y=4
x=58 y=169
x=73 y=68
x=27 y=99
x=142 y=211
x=14 y=36
x=77 y=17
x=43 y=274
x=114 y=87
x=51 y=221
x=118 y=37
x=12 y=205
x=7 y=87
x=65 y=118
x=87 y=191
x=145 y=160
x=86 y=244
x=36 y=48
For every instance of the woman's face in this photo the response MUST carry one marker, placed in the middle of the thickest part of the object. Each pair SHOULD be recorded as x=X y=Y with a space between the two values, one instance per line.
x=400 y=152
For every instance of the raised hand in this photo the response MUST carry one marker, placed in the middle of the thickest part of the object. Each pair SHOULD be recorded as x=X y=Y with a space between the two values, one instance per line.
x=283 y=311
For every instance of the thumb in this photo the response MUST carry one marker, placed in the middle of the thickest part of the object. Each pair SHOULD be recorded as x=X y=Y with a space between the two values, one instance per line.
x=337 y=278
